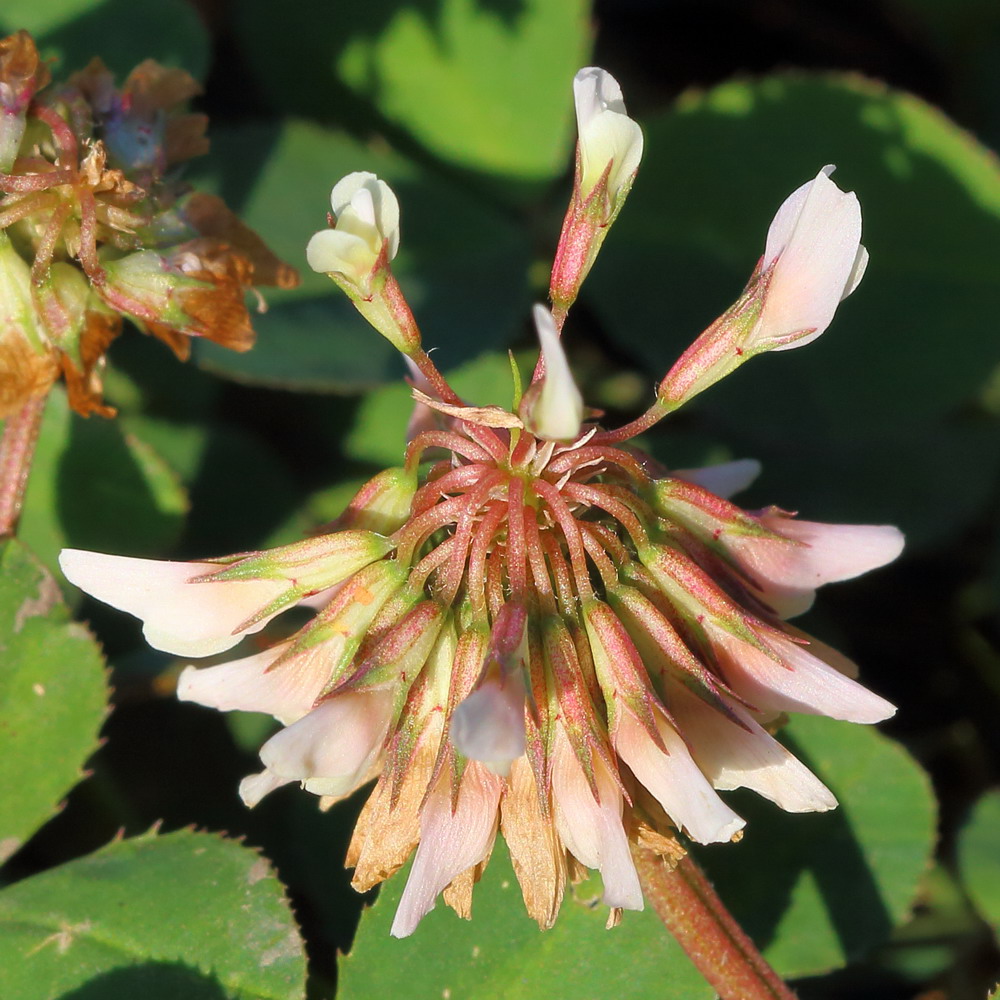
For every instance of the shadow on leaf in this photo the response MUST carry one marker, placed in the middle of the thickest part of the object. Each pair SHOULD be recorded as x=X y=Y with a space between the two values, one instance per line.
x=150 y=981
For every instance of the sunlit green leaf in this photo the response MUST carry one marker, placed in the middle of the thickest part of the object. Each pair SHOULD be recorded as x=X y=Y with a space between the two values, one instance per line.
x=52 y=697
x=183 y=915
x=484 y=85
x=502 y=953
x=817 y=891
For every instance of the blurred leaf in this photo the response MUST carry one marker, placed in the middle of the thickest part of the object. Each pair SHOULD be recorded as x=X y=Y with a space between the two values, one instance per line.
x=979 y=860
x=462 y=267
x=502 y=953
x=484 y=84
x=186 y=914
x=379 y=433
x=944 y=924
x=52 y=697
x=964 y=36
x=94 y=485
x=120 y=32
x=818 y=891
x=884 y=389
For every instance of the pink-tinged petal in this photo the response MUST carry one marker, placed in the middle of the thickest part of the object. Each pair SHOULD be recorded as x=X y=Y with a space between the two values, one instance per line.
x=800 y=682
x=789 y=572
x=332 y=749
x=255 y=786
x=592 y=831
x=724 y=480
x=733 y=757
x=828 y=552
x=188 y=619
x=815 y=238
x=450 y=842
x=287 y=692
x=674 y=780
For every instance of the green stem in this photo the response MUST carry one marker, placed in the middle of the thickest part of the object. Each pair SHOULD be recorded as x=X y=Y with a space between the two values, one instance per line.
x=17 y=446
x=692 y=911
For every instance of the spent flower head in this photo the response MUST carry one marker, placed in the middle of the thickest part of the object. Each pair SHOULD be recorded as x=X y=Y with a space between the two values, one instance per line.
x=530 y=626
x=93 y=210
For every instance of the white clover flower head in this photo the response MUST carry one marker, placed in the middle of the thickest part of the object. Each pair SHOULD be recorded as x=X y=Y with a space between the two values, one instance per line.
x=502 y=634
x=367 y=222
x=814 y=247
x=556 y=413
x=607 y=134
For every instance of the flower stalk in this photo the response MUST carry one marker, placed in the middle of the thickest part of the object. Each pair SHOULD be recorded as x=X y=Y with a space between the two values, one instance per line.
x=17 y=448
x=692 y=911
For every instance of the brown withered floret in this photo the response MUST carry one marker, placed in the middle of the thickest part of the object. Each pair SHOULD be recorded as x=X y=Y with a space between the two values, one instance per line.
x=22 y=73
x=87 y=181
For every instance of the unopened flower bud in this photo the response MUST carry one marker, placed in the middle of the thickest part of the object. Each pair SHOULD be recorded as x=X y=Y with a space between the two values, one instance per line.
x=365 y=234
x=607 y=158
x=552 y=408
x=382 y=504
x=813 y=260
x=610 y=142
x=356 y=251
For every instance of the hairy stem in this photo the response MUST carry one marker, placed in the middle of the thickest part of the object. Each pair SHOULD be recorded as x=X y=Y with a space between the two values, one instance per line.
x=17 y=446
x=692 y=911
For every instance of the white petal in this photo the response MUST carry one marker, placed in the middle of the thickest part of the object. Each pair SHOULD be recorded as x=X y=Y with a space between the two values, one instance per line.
x=783 y=224
x=387 y=216
x=450 y=842
x=337 y=741
x=332 y=251
x=286 y=692
x=188 y=619
x=346 y=188
x=383 y=213
x=857 y=272
x=607 y=134
x=724 y=480
x=732 y=757
x=816 y=237
x=675 y=781
x=592 y=831
x=595 y=90
x=558 y=411
x=255 y=786
x=362 y=207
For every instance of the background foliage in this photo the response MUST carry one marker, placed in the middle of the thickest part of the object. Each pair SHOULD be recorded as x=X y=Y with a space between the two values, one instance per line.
x=464 y=106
